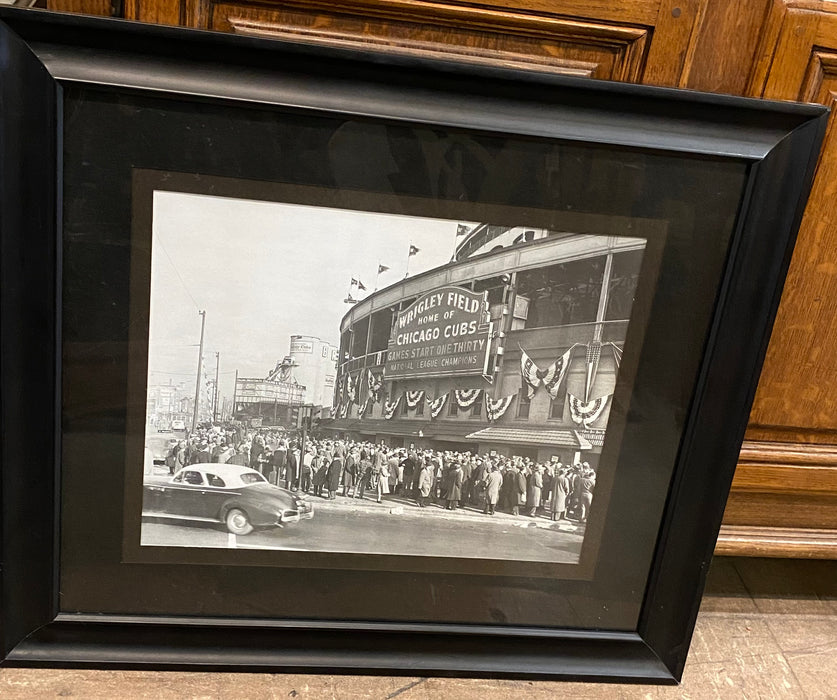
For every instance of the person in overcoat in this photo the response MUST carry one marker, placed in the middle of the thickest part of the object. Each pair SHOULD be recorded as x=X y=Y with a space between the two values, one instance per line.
x=588 y=483
x=364 y=476
x=424 y=484
x=508 y=491
x=520 y=480
x=350 y=466
x=493 y=483
x=382 y=484
x=560 y=491
x=452 y=486
x=291 y=466
x=535 y=489
x=335 y=470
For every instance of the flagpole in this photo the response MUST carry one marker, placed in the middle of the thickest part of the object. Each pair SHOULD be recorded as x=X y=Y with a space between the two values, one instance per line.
x=378 y=274
x=409 y=248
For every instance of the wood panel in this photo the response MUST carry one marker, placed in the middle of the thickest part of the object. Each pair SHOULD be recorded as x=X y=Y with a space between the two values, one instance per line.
x=598 y=39
x=549 y=44
x=797 y=387
x=102 y=8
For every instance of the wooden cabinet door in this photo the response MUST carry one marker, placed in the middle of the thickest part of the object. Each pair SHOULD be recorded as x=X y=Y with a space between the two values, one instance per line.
x=634 y=40
x=785 y=490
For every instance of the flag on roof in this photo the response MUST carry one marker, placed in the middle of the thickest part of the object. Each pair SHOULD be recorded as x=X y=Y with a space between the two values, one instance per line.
x=413 y=250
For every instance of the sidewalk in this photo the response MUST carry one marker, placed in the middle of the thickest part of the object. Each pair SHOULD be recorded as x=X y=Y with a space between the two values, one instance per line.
x=400 y=506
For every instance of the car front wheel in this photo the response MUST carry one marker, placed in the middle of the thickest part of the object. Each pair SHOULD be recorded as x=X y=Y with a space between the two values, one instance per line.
x=238 y=523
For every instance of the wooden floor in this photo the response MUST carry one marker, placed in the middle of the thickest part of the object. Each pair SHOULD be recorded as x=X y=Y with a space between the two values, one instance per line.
x=767 y=629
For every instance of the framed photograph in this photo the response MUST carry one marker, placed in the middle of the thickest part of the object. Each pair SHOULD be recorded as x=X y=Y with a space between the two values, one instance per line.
x=321 y=359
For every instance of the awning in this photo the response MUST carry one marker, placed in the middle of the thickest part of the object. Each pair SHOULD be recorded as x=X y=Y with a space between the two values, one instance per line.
x=532 y=436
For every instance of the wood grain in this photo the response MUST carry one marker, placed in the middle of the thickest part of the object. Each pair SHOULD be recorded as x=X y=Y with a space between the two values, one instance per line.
x=784 y=485
x=797 y=384
x=551 y=44
x=754 y=541
x=724 y=46
x=101 y=8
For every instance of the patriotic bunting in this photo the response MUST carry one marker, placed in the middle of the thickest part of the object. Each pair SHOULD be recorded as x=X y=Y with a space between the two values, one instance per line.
x=437 y=404
x=529 y=372
x=551 y=377
x=362 y=408
x=374 y=384
x=496 y=409
x=351 y=388
x=390 y=408
x=413 y=398
x=586 y=412
x=344 y=410
x=465 y=398
x=594 y=353
x=555 y=374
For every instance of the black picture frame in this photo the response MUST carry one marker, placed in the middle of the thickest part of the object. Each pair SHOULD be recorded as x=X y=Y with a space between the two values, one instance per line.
x=47 y=55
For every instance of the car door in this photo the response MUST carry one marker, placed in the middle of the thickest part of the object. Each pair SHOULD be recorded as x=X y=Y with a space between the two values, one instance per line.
x=184 y=494
x=213 y=495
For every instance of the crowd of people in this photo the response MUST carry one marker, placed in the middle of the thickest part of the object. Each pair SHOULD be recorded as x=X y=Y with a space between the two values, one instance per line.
x=353 y=469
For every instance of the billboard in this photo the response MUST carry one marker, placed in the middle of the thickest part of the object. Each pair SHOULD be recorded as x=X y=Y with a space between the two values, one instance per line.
x=445 y=332
x=264 y=391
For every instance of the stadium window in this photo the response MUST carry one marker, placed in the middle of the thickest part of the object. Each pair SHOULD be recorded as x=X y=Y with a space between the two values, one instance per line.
x=381 y=327
x=420 y=407
x=523 y=403
x=556 y=408
x=453 y=407
x=404 y=406
x=360 y=330
x=476 y=408
x=563 y=294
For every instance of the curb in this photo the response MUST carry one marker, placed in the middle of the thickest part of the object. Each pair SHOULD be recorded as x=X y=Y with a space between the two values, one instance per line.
x=409 y=509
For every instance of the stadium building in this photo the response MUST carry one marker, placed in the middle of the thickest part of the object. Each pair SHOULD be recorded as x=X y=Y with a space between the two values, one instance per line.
x=512 y=347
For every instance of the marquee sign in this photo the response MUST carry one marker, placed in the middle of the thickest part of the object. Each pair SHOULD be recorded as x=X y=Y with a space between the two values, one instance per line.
x=443 y=333
x=263 y=391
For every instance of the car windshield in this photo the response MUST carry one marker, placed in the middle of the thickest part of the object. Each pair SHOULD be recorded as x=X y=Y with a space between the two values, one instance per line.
x=252 y=478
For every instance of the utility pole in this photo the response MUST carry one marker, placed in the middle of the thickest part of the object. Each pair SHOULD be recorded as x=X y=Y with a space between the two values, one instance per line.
x=215 y=397
x=235 y=396
x=198 y=380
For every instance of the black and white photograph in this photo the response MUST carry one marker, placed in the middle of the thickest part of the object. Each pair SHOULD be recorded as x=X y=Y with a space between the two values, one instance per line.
x=330 y=380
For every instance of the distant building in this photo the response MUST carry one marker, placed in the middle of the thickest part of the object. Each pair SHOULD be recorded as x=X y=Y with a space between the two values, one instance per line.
x=314 y=365
x=166 y=403
x=267 y=401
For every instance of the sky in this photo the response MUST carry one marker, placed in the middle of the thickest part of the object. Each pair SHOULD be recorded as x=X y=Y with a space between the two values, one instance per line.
x=264 y=271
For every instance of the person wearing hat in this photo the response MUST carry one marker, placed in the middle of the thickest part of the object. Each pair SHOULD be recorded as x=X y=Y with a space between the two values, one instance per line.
x=519 y=477
x=560 y=492
x=424 y=483
x=452 y=485
x=350 y=467
x=201 y=455
x=493 y=481
x=334 y=471
x=535 y=490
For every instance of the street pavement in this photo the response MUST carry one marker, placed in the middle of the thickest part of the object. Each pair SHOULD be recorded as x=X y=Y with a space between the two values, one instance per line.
x=395 y=526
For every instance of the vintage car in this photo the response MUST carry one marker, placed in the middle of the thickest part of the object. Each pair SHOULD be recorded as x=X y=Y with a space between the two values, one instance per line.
x=160 y=447
x=240 y=498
